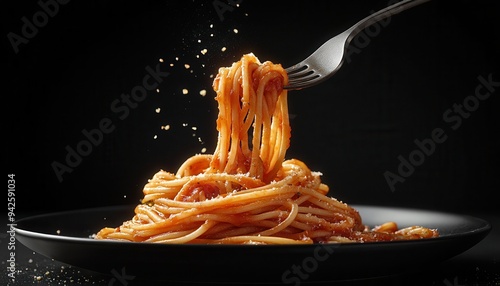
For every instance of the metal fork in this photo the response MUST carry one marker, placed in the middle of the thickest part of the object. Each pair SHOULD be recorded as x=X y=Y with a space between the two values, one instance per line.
x=328 y=58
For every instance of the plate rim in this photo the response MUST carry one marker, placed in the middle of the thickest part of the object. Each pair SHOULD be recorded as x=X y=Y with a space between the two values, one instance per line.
x=280 y=258
x=485 y=228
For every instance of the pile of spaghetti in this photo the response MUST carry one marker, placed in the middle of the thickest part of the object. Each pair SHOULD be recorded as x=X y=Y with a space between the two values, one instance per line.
x=246 y=192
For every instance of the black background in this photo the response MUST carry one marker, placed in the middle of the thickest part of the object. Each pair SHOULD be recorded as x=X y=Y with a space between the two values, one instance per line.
x=352 y=128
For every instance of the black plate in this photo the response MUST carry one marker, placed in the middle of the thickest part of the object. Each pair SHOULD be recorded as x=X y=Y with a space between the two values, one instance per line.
x=65 y=236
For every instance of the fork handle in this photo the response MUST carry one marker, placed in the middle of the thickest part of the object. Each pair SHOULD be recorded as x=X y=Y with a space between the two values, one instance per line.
x=381 y=15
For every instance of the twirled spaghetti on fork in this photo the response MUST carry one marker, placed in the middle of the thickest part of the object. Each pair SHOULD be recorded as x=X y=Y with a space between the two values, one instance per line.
x=246 y=191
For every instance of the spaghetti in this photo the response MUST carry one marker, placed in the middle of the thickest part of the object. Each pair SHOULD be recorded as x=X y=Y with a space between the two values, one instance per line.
x=246 y=192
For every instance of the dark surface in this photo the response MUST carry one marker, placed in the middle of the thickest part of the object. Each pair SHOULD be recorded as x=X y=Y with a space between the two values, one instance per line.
x=393 y=91
x=401 y=83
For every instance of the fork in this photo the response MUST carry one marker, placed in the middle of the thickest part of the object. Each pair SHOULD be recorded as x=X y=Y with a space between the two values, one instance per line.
x=328 y=58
